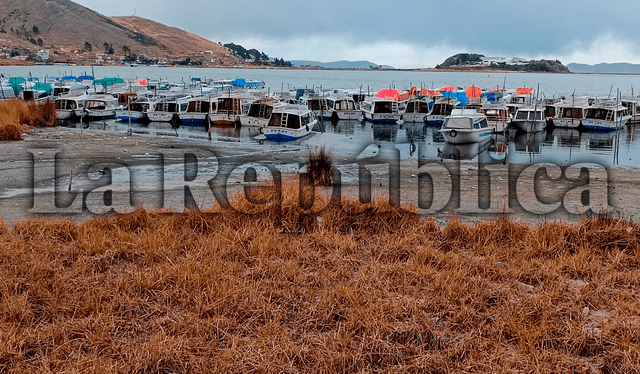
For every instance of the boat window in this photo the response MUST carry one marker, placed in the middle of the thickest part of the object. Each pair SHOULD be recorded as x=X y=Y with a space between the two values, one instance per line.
x=276 y=119
x=522 y=115
x=384 y=107
x=482 y=124
x=293 y=122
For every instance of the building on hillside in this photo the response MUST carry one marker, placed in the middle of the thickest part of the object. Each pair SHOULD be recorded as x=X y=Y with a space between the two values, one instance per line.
x=44 y=55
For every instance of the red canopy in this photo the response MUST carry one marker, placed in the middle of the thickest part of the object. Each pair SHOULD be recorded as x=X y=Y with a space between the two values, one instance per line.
x=432 y=93
x=523 y=90
x=473 y=92
x=392 y=94
x=143 y=82
x=448 y=89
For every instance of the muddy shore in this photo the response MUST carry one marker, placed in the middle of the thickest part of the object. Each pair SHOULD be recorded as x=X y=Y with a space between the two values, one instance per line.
x=62 y=172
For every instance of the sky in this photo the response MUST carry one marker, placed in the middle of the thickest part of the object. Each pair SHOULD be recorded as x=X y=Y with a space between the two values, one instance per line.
x=404 y=34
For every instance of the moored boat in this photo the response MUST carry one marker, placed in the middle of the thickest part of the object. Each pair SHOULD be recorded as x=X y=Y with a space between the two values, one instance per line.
x=466 y=126
x=606 y=115
x=289 y=122
x=529 y=118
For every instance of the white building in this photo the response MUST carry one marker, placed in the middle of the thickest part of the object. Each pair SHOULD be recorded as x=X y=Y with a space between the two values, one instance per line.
x=44 y=55
x=503 y=60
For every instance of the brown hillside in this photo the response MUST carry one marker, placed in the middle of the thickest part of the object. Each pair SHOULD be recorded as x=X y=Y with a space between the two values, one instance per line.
x=63 y=24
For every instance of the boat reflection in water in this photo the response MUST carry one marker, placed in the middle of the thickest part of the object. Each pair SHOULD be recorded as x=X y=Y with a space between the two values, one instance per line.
x=384 y=132
x=565 y=137
x=600 y=140
x=529 y=142
x=469 y=151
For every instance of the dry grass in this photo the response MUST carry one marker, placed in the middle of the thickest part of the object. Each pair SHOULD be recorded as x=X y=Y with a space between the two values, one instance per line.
x=319 y=167
x=17 y=116
x=365 y=289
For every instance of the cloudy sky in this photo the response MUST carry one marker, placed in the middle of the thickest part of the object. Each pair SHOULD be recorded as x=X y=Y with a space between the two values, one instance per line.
x=407 y=34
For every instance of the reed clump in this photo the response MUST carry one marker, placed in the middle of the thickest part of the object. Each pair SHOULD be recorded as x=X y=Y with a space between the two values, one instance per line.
x=366 y=288
x=319 y=166
x=17 y=117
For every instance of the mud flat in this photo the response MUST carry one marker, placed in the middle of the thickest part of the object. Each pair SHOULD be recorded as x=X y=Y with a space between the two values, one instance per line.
x=62 y=172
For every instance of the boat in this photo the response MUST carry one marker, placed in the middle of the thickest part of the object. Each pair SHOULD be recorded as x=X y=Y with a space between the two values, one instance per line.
x=100 y=106
x=466 y=126
x=497 y=114
x=197 y=110
x=228 y=110
x=521 y=97
x=633 y=104
x=529 y=118
x=314 y=102
x=571 y=112
x=606 y=115
x=289 y=122
x=259 y=112
x=135 y=111
x=168 y=108
x=417 y=109
x=69 y=107
x=442 y=108
x=341 y=108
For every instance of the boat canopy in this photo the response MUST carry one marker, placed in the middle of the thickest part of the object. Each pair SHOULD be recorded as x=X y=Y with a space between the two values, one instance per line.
x=85 y=78
x=460 y=96
x=16 y=83
x=43 y=87
x=523 y=90
x=427 y=92
x=473 y=92
x=239 y=82
x=459 y=123
x=392 y=94
x=106 y=82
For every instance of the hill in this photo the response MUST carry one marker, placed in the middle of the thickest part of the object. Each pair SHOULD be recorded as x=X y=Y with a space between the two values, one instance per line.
x=477 y=62
x=615 y=68
x=68 y=29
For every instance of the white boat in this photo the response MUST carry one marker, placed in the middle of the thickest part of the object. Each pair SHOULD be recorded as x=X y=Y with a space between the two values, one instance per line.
x=69 y=107
x=497 y=115
x=100 y=106
x=166 y=109
x=289 y=122
x=259 y=112
x=341 y=108
x=633 y=104
x=442 y=108
x=197 y=110
x=606 y=115
x=135 y=111
x=228 y=110
x=379 y=110
x=521 y=97
x=571 y=112
x=417 y=110
x=465 y=126
x=35 y=96
x=529 y=118
x=314 y=102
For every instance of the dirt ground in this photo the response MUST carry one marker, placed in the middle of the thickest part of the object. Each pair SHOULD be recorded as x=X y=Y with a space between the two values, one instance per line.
x=62 y=172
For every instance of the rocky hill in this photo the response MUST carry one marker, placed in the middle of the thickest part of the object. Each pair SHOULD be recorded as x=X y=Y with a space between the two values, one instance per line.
x=71 y=31
x=474 y=62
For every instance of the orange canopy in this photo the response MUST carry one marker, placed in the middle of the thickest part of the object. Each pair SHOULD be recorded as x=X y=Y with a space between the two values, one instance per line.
x=523 y=90
x=392 y=94
x=143 y=82
x=473 y=92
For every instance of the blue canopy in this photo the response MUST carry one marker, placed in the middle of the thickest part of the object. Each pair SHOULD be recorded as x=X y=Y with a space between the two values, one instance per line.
x=239 y=82
x=85 y=78
x=461 y=96
x=69 y=78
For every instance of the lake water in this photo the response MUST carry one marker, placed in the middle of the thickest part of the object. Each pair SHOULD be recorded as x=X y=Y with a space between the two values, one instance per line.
x=559 y=145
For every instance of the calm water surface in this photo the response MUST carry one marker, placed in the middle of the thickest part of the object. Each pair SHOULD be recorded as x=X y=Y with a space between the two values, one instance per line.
x=350 y=137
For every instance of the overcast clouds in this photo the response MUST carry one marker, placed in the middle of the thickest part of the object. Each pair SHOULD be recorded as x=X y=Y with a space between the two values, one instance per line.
x=413 y=33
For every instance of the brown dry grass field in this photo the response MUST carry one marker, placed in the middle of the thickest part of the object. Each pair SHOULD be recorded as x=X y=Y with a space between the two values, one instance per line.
x=365 y=288
x=17 y=117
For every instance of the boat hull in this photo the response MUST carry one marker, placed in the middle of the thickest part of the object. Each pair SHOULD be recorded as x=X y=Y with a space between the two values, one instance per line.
x=463 y=136
x=569 y=123
x=601 y=125
x=343 y=115
x=192 y=119
x=133 y=116
x=415 y=117
x=381 y=118
x=434 y=120
x=529 y=126
x=253 y=121
x=157 y=116
x=284 y=134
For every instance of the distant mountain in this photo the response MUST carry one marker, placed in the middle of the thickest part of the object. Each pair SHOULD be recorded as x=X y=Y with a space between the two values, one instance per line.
x=621 y=67
x=340 y=64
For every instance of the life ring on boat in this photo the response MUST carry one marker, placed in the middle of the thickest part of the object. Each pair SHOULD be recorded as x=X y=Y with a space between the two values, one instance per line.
x=425 y=120
x=412 y=91
x=306 y=127
x=453 y=133
x=261 y=130
x=401 y=117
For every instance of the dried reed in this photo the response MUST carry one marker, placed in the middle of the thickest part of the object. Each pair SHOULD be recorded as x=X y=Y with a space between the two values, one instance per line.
x=17 y=116
x=367 y=288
